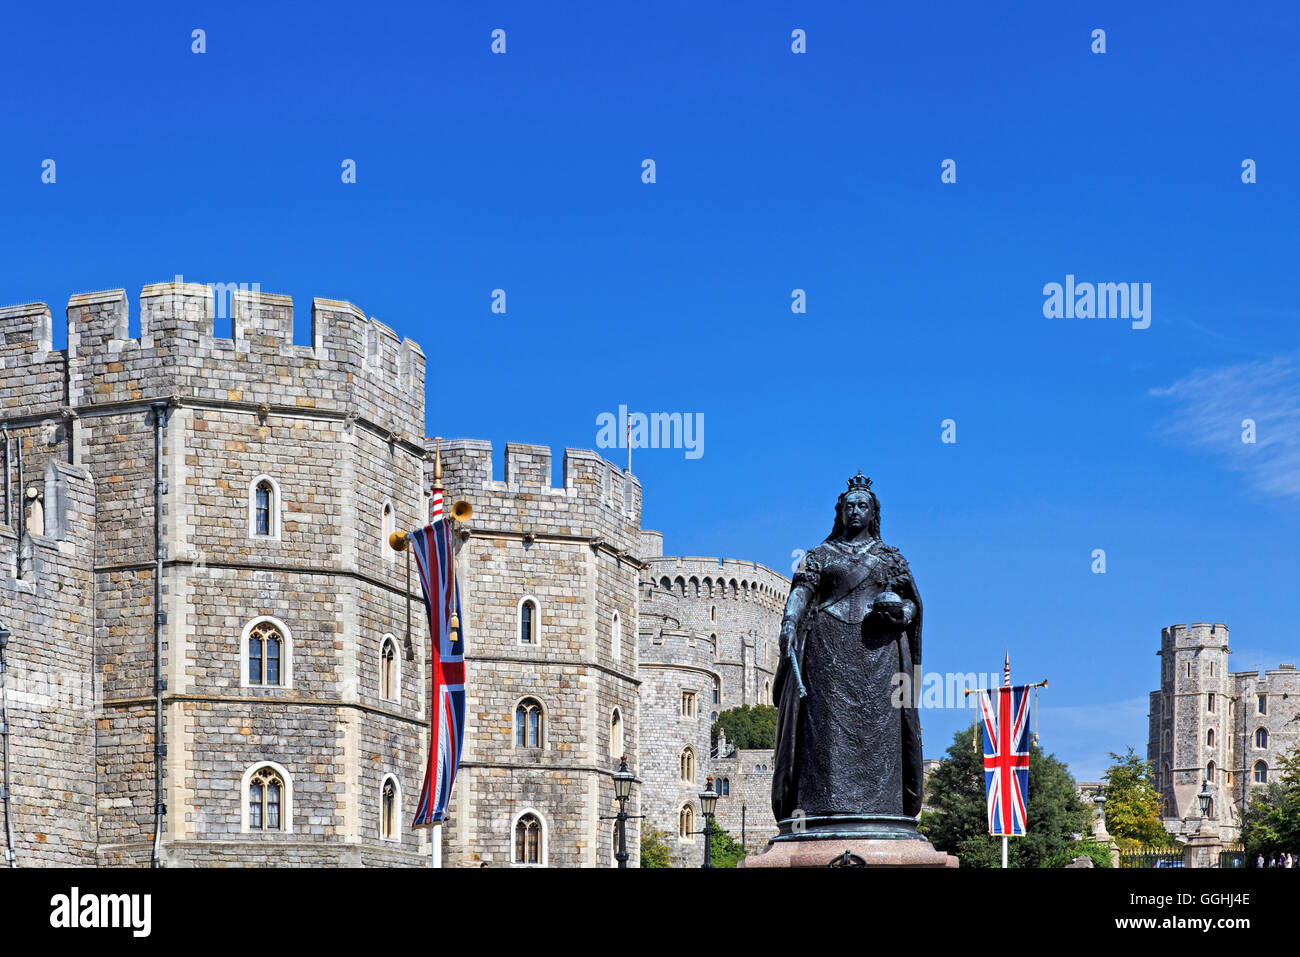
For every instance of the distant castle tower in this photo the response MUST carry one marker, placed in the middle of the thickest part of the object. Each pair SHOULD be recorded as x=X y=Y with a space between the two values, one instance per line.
x=1190 y=714
x=710 y=632
x=1210 y=725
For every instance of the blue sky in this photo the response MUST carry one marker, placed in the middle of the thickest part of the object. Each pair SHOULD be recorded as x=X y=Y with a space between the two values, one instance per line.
x=775 y=171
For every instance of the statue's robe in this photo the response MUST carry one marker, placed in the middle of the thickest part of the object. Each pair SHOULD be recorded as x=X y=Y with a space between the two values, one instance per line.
x=847 y=748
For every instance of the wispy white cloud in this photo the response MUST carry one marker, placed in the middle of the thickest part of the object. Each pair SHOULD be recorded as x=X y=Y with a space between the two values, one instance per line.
x=1212 y=404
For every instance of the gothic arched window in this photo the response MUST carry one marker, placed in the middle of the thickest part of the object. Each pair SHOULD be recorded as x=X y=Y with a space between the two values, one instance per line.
x=264 y=508
x=1261 y=737
x=389 y=810
x=528 y=724
x=266 y=651
x=528 y=622
x=688 y=765
x=388 y=688
x=528 y=839
x=616 y=734
x=686 y=823
x=265 y=793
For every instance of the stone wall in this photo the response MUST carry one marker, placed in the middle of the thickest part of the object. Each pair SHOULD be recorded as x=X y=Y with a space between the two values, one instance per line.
x=712 y=627
x=746 y=809
x=571 y=551
x=740 y=604
x=673 y=662
x=48 y=676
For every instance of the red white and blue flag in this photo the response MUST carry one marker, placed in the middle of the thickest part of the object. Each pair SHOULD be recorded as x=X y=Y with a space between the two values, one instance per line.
x=433 y=558
x=1004 y=712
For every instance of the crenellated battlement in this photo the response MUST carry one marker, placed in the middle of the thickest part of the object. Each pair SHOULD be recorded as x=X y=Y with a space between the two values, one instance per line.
x=32 y=374
x=719 y=579
x=597 y=498
x=663 y=640
x=353 y=364
x=1199 y=634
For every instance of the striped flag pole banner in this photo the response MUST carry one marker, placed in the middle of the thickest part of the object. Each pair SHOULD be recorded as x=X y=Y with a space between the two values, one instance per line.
x=435 y=563
x=1005 y=716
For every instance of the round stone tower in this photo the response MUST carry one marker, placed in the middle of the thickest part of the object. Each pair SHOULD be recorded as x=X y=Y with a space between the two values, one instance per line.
x=709 y=642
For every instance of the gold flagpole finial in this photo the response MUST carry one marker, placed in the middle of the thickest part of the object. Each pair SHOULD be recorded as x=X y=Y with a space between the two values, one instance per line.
x=437 y=464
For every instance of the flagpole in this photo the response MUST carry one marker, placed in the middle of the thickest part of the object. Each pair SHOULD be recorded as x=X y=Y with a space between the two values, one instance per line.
x=439 y=776
x=1006 y=683
x=435 y=727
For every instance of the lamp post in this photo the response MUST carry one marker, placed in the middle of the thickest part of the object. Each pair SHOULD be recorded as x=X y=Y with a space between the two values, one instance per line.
x=1099 y=830
x=623 y=781
x=708 y=804
x=4 y=743
x=1204 y=845
x=1099 y=802
x=1204 y=798
x=622 y=791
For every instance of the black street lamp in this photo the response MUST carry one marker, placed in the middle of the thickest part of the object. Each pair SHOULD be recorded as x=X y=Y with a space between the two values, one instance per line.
x=622 y=791
x=1205 y=798
x=708 y=804
x=623 y=781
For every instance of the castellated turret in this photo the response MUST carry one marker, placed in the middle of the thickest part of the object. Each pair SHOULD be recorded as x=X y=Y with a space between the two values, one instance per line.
x=1190 y=719
x=709 y=641
x=548 y=579
x=240 y=578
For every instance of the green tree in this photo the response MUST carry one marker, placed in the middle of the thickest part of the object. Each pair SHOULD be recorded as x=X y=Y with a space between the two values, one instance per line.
x=959 y=822
x=1271 y=824
x=654 y=847
x=1133 y=804
x=747 y=727
x=1100 y=854
x=724 y=849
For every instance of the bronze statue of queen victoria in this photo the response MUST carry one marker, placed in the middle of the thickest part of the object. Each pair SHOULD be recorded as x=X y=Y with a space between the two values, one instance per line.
x=848 y=743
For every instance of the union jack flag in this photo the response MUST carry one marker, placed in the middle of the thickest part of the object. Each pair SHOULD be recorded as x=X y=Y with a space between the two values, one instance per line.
x=1004 y=713
x=433 y=558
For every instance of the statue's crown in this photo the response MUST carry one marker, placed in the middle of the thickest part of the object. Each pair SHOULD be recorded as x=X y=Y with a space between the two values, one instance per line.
x=859 y=483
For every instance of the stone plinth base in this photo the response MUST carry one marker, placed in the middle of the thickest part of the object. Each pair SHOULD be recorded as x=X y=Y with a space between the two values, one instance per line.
x=865 y=853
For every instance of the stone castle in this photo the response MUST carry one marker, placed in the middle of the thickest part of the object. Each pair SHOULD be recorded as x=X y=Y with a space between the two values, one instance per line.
x=1211 y=726
x=211 y=656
